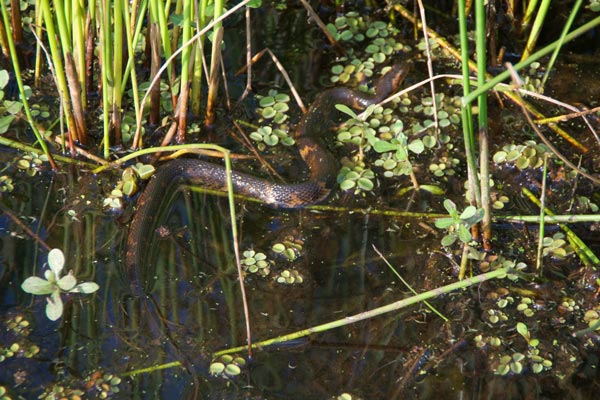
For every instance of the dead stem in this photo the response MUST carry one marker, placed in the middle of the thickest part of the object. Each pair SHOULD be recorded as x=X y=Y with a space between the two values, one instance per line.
x=543 y=138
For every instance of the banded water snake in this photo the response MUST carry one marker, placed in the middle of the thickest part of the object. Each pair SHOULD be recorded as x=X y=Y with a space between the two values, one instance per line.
x=321 y=163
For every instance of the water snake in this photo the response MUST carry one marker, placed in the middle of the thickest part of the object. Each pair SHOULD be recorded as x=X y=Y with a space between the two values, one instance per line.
x=321 y=163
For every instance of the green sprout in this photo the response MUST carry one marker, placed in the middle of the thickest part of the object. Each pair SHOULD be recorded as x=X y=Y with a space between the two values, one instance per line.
x=458 y=225
x=54 y=284
x=524 y=331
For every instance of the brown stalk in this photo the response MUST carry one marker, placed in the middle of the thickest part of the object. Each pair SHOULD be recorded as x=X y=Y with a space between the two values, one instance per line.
x=283 y=72
x=4 y=41
x=213 y=80
x=89 y=55
x=181 y=118
x=154 y=118
x=78 y=127
x=323 y=28
x=17 y=30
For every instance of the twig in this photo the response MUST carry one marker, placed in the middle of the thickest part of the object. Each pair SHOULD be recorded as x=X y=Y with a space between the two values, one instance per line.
x=541 y=135
x=25 y=228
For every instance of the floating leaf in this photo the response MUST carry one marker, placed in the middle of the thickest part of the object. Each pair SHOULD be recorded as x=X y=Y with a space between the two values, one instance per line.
x=448 y=240
x=56 y=261
x=54 y=307
x=278 y=247
x=268 y=112
x=86 y=287
x=382 y=146
x=217 y=368
x=464 y=234
x=13 y=107
x=266 y=101
x=67 y=282
x=416 y=146
x=145 y=171
x=516 y=367
x=522 y=329
x=443 y=223
x=499 y=157
x=468 y=212
x=5 y=122
x=346 y=110
x=365 y=184
x=36 y=285
x=337 y=69
x=347 y=184
x=129 y=188
x=232 y=370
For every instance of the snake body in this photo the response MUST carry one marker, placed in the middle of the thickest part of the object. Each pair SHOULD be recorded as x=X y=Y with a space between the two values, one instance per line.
x=321 y=163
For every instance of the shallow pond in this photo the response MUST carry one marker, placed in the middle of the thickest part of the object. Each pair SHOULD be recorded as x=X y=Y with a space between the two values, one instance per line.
x=518 y=337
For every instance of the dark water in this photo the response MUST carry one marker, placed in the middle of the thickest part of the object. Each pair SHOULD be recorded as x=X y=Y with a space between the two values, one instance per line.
x=193 y=306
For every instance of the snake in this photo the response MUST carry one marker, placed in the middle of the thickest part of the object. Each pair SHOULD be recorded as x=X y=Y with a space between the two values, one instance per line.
x=308 y=137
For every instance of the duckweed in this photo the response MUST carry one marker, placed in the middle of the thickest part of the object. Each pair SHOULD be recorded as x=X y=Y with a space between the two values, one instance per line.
x=538 y=363
x=31 y=163
x=6 y=184
x=273 y=110
x=556 y=246
x=511 y=364
x=526 y=307
x=289 y=277
x=528 y=155
x=19 y=325
x=374 y=38
x=583 y=202
x=256 y=263
x=591 y=317
x=103 y=383
x=57 y=391
x=227 y=366
x=496 y=316
x=356 y=177
x=290 y=248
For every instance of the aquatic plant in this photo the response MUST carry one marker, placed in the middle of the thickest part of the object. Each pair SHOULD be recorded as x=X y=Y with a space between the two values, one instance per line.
x=256 y=263
x=273 y=110
x=227 y=366
x=458 y=224
x=55 y=284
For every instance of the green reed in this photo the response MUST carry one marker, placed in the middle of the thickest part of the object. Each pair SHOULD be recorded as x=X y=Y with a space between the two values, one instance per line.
x=534 y=57
x=536 y=29
x=466 y=114
x=561 y=40
x=484 y=155
x=65 y=69
x=19 y=79
x=106 y=35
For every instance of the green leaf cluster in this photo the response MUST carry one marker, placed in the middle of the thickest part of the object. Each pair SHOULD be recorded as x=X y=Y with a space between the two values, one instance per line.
x=458 y=224
x=367 y=43
x=54 y=284
x=273 y=110
x=523 y=156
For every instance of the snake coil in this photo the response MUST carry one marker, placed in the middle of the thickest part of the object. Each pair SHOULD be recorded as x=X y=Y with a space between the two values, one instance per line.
x=321 y=163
